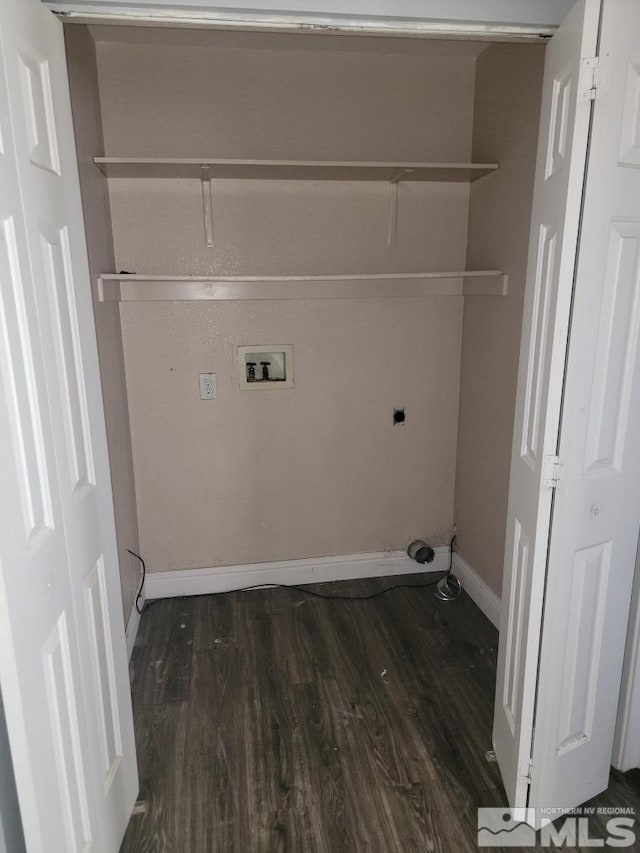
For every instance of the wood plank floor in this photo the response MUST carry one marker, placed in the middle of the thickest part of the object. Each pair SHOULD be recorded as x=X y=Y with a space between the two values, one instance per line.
x=273 y=721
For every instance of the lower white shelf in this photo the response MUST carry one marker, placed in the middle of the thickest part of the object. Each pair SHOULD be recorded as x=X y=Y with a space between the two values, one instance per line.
x=129 y=287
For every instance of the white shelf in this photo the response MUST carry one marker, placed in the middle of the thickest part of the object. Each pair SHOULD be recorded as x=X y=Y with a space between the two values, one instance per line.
x=293 y=170
x=165 y=288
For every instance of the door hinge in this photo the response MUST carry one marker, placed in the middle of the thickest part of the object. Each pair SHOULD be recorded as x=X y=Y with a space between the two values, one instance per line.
x=551 y=471
x=526 y=771
x=589 y=77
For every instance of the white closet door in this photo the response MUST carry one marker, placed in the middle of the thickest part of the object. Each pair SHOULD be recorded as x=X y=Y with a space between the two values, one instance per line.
x=562 y=147
x=597 y=507
x=63 y=665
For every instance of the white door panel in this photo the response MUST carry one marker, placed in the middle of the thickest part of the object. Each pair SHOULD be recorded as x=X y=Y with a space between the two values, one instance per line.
x=46 y=733
x=562 y=147
x=65 y=666
x=597 y=508
x=42 y=722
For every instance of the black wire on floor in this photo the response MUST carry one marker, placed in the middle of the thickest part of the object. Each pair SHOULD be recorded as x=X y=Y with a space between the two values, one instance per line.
x=144 y=575
x=303 y=589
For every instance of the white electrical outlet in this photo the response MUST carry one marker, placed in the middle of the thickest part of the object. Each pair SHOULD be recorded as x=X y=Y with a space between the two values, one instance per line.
x=208 y=386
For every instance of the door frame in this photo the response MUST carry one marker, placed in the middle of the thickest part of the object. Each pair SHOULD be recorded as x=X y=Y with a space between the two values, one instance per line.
x=224 y=15
x=133 y=15
x=626 y=745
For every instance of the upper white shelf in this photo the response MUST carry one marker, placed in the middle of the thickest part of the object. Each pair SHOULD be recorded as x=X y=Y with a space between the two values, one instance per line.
x=293 y=170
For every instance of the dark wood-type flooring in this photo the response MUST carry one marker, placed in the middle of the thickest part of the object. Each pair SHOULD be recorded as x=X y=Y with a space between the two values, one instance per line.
x=273 y=721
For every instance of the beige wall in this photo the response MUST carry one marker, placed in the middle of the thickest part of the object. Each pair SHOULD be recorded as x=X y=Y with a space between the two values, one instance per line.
x=198 y=101
x=88 y=129
x=319 y=469
x=316 y=470
x=507 y=105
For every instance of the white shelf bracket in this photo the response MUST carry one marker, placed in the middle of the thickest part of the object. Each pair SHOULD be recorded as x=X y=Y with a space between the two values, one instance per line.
x=393 y=213
x=207 y=205
x=393 y=205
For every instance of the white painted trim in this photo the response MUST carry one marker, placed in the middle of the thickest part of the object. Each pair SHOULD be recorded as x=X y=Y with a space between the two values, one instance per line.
x=477 y=589
x=626 y=744
x=183 y=15
x=131 y=631
x=294 y=572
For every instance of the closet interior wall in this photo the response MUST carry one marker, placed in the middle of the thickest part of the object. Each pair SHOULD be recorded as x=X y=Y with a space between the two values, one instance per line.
x=508 y=89
x=320 y=469
x=87 y=122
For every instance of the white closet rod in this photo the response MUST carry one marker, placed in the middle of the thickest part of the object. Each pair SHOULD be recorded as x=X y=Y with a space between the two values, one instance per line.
x=157 y=288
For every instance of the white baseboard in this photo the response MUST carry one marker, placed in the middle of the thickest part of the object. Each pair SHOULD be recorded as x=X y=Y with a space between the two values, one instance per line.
x=477 y=589
x=131 y=631
x=292 y=572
